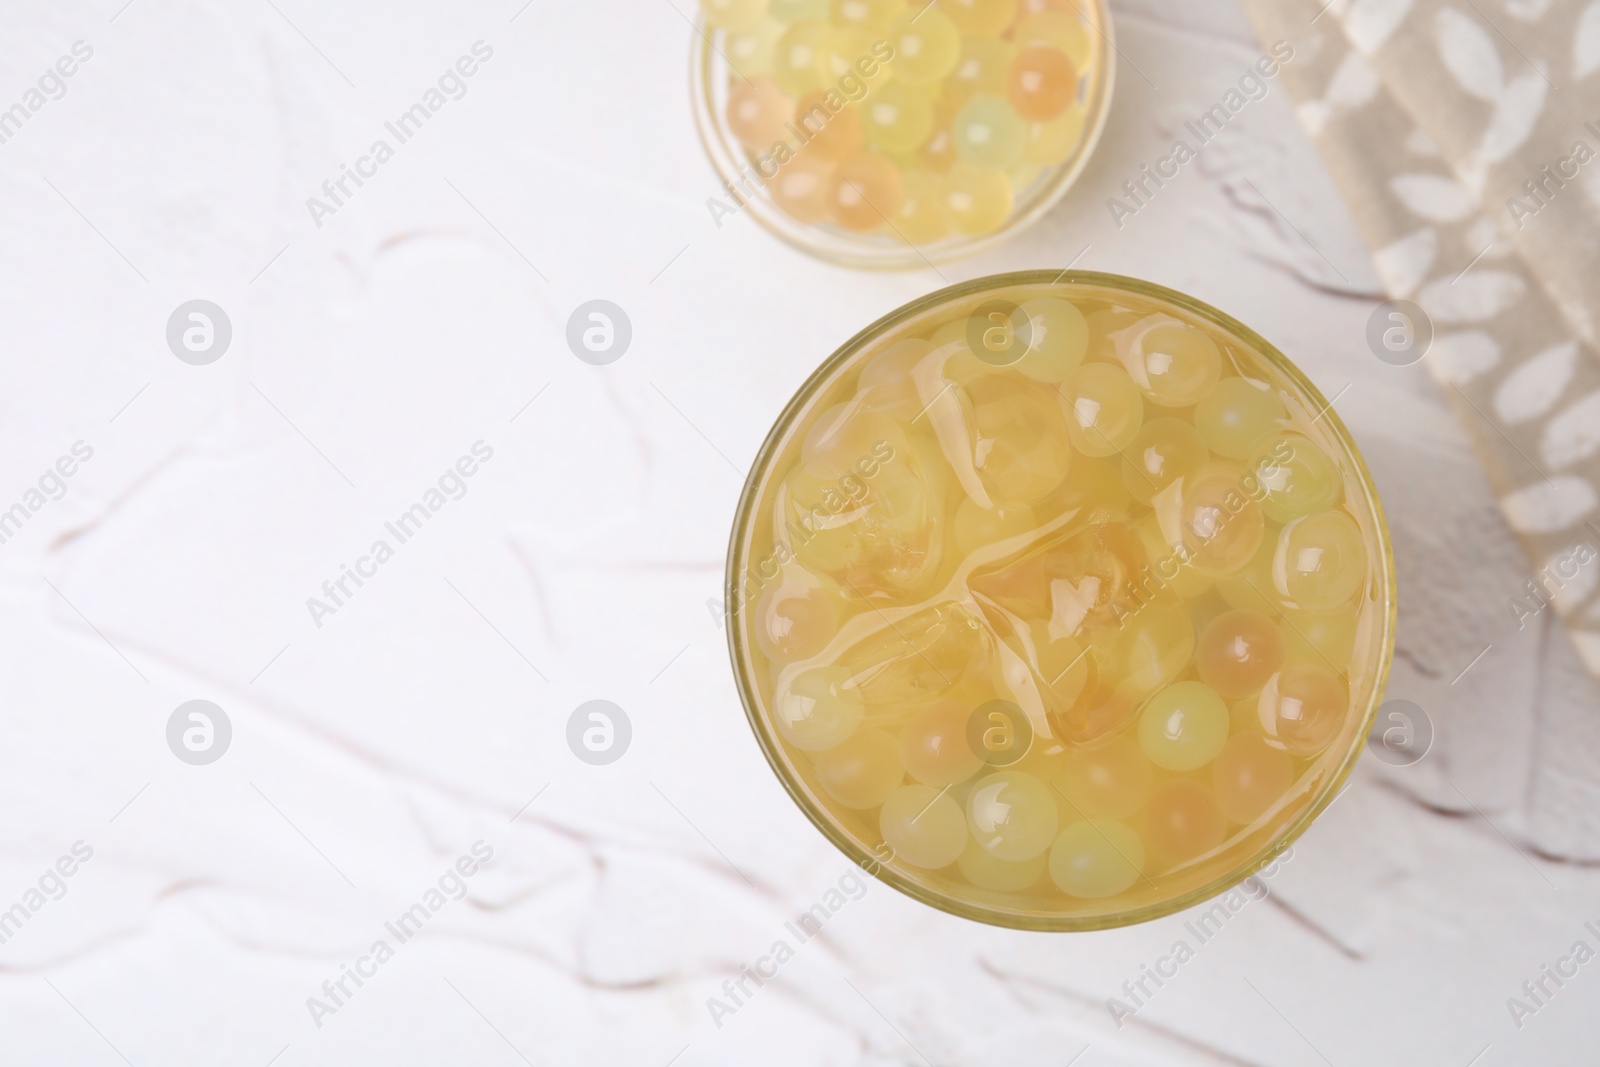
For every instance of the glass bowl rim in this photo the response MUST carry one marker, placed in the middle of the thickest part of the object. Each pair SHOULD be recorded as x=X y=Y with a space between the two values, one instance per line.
x=911 y=257
x=864 y=857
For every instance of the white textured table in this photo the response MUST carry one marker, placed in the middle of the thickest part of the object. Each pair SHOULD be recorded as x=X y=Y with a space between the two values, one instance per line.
x=373 y=746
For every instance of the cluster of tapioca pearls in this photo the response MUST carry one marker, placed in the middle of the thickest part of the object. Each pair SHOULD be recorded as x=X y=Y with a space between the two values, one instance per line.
x=978 y=97
x=1236 y=683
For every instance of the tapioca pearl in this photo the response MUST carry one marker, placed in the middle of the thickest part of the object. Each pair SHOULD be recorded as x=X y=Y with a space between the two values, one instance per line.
x=1041 y=83
x=1108 y=781
x=922 y=219
x=987 y=17
x=1106 y=327
x=797 y=59
x=867 y=191
x=786 y=11
x=1152 y=648
x=1053 y=141
x=987 y=871
x=978 y=527
x=1174 y=365
x=734 y=14
x=1220 y=525
x=1321 y=562
x=849 y=50
x=1239 y=652
x=757 y=113
x=938 y=154
x=1103 y=408
x=1061 y=30
x=897 y=119
x=981 y=69
x=1183 y=822
x=861 y=771
x=1244 y=716
x=927 y=47
x=750 y=52
x=988 y=133
x=802 y=186
x=1023 y=175
x=1292 y=477
x=1012 y=815
x=1327 y=640
x=846 y=438
x=1303 y=709
x=1169 y=568
x=1162 y=452
x=818 y=709
x=1021 y=450
x=1183 y=726
x=795 y=621
x=873 y=15
x=833 y=135
x=1096 y=858
x=1057 y=338
x=935 y=748
x=978 y=201
x=1252 y=588
x=1236 y=414
x=924 y=827
x=1249 y=776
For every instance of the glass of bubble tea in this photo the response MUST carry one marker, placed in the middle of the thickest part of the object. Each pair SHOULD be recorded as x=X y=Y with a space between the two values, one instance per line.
x=1060 y=601
x=897 y=133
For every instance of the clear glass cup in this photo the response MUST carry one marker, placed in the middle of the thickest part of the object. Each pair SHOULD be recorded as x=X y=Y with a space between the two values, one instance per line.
x=866 y=617
x=746 y=176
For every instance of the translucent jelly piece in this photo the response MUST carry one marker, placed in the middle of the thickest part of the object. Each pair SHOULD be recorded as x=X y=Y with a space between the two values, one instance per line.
x=1183 y=822
x=886 y=386
x=1041 y=82
x=1094 y=490
x=1303 y=709
x=758 y=111
x=1184 y=726
x=1149 y=650
x=1085 y=580
x=863 y=770
x=927 y=47
x=987 y=871
x=1321 y=562
x=1237 y=413
x=924 y=827
x=918 y=659
x=1109 y=781
x=1295 y=477
x=867 y=191
x=1020 y=449
x=861 y=506
x=1096 y=858
x=1220 y=525
x=818 y=709
x=798 y=617
x=1239 y=652
x=1103 y=407
x=988 y=133
x=934 y=746
x=1012 y=815
x=1249 y=776
x=981 y=16
x=977 y=527
x=1164 y=451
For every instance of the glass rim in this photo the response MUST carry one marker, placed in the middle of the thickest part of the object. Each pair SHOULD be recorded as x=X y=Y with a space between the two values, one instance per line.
x=723 y=156
x=862 y=856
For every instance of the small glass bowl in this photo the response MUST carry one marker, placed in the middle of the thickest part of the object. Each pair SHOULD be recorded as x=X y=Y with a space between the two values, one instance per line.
x=889 y=643
x=743 y=190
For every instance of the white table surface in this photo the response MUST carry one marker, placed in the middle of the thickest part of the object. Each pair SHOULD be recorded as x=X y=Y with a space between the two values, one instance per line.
x=368 y=754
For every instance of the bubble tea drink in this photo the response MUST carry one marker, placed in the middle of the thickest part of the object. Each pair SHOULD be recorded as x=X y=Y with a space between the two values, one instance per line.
x=886 y=132
x=1060 y=601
